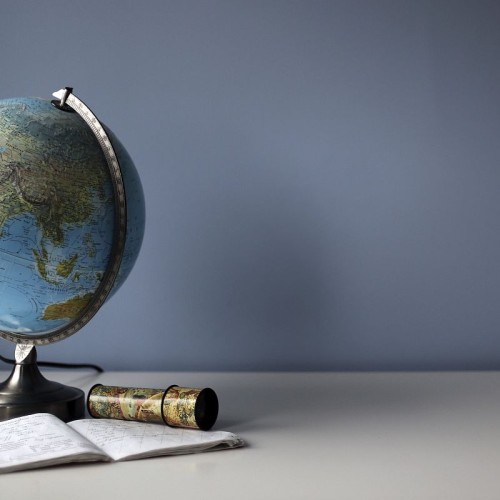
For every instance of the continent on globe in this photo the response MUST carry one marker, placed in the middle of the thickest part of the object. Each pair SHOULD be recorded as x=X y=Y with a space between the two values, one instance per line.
x=68 y=309
x=57 y=215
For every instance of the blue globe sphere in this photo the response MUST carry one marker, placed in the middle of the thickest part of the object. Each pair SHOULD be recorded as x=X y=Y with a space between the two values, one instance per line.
x=57 y=217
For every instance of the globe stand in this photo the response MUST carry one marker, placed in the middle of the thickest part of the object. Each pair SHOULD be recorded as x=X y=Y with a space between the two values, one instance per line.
x=27 y=391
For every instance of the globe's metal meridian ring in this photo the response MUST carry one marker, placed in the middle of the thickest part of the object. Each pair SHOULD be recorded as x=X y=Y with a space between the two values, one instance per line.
x=67 y=98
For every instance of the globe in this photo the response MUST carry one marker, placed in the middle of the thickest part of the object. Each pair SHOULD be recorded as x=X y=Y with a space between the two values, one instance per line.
x=58 y=218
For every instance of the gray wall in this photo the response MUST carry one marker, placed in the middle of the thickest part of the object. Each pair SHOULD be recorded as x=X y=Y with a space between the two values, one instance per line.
x=322 y=178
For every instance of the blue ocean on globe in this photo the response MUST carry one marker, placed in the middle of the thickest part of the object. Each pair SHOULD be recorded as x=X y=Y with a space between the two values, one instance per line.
x=57 y=214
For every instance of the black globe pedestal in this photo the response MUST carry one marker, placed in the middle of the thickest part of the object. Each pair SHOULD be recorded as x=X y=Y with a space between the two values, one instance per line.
x=27 y=391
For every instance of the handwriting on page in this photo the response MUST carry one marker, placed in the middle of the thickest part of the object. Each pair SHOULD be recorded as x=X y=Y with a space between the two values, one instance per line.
x=40 y=437
x=126 y=440
x=40 y=440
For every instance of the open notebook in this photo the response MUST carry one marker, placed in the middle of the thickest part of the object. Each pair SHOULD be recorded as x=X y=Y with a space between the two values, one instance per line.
x=42 y=439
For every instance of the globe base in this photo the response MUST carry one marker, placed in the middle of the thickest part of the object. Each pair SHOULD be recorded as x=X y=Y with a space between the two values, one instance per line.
x=27 y=391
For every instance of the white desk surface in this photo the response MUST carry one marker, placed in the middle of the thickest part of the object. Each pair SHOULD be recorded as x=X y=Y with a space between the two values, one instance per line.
x=311 y=436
